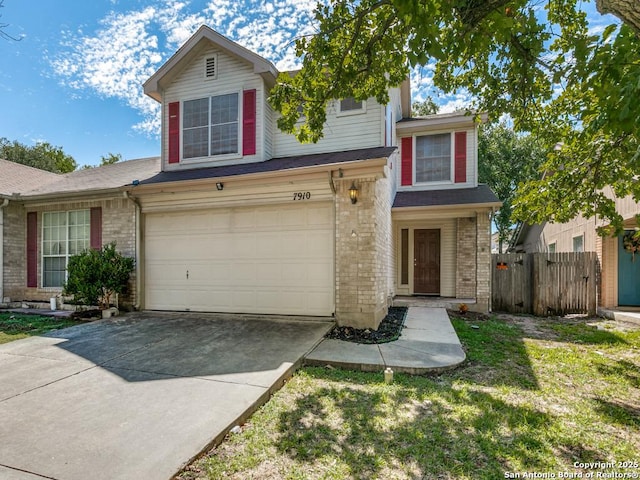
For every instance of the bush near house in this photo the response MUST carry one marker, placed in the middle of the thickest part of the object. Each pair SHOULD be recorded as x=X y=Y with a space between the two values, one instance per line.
x=94 y=276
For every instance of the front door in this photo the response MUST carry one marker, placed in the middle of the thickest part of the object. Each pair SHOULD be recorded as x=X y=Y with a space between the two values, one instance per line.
x=426 y=263
x=628 y=276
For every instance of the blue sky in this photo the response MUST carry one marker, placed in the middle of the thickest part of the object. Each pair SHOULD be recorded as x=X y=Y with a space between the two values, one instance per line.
x=75 y=79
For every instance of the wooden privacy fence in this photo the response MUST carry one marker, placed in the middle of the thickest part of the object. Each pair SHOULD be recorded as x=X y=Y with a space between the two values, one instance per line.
x=544 y=283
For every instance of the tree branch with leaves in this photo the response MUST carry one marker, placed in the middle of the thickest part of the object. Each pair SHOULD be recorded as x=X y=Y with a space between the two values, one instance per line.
x=536 y=62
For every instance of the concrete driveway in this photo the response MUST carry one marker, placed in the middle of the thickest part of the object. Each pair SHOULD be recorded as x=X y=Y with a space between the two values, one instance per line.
x=136 y=397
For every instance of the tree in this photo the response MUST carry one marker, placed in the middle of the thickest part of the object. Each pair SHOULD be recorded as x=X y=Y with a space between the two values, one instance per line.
x=427 y=107
x=505 y=160
x=43 y=156
x=94 y=276
x=537 y=62
x=3 y=26
x=110 y=159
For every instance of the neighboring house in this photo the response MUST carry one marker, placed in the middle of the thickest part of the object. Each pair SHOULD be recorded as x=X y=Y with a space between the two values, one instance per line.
x=47 y=221
x=15 y=179
x=619 y=284
x=242 y=218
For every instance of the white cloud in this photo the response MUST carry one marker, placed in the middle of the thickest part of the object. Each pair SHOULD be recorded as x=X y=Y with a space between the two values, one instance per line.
x=115 y=60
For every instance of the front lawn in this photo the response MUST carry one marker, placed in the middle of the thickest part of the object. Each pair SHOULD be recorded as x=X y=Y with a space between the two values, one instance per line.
x=536 y=396
x=14 y=326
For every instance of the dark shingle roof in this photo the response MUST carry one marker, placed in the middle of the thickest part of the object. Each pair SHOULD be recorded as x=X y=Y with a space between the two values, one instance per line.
x=481 y=194
x=272 y=165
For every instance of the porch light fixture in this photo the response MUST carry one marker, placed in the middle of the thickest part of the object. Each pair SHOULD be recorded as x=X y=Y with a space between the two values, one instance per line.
x=219 y=186
x=353 y=193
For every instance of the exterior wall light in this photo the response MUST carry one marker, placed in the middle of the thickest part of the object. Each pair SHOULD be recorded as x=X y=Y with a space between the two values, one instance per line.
x=219 y=186
x=353 y=193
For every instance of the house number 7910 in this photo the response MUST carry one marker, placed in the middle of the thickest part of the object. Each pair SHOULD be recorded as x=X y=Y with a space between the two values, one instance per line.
x=302 y=196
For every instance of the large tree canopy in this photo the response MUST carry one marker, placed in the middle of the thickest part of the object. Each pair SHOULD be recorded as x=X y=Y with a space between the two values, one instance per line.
x=505 y=160
x=43 y=156
x=535 y=61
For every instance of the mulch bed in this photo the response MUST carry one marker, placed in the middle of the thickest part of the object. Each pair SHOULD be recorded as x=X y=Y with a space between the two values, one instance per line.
x=388 y=331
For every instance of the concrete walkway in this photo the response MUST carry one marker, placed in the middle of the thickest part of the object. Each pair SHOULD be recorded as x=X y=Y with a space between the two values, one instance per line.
x=630 y=315
x=138 y=396
x=428 y=344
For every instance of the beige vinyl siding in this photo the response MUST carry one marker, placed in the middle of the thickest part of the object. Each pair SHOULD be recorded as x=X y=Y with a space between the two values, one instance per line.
x=472 y=161
x=236 y=193
x=563 y=233
x=447 y=254
x=233 y=75
x=346 y=132
x=627 y=207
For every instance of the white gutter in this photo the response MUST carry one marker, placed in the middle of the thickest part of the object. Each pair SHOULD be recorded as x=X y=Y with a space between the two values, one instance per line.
x=2 y=207
x=138 y=242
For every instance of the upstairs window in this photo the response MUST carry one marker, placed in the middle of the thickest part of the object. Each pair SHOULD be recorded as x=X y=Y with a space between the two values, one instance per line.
x=210 y=126
x=350 y=105
x=433 y=158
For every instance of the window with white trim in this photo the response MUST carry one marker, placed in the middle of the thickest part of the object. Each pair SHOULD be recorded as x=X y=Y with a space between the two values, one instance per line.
x=578 y=243
x=433 y=158
x=350 y=106
x=552 y=247
x=210 y=126
x=64 y=234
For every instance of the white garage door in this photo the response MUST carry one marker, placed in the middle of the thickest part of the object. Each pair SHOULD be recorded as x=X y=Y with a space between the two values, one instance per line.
x=275 y=259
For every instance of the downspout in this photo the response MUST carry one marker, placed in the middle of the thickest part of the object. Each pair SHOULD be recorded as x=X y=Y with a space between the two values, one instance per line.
x=138 y=242
x=3 y=205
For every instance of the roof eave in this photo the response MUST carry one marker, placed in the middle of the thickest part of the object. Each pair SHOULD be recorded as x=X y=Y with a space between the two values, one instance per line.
x=439 y=120
x=482 y=205
x=370 y=163
x=72 y=195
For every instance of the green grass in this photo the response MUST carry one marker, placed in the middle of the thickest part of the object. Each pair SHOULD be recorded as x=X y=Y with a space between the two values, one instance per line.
x=14 y=326
x=539 y=401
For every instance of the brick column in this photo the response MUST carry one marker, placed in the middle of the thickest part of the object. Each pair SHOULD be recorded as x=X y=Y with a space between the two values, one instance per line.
x=466 y=257
x=483 y=260
x=363 y=250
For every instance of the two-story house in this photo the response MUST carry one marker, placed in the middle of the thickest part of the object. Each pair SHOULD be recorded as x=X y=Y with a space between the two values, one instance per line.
x=242 y=218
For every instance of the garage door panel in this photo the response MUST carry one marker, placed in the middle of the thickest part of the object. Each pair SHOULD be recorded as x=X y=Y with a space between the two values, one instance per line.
x=275 y=259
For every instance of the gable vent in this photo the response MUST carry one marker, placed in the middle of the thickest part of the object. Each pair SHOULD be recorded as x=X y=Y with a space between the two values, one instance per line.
x=211 y=67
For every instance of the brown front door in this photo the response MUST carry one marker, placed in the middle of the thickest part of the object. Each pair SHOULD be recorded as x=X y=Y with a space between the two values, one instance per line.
x=426 y=263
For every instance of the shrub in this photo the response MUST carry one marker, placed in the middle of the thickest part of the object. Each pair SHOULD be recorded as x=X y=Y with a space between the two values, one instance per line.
x=95 y=275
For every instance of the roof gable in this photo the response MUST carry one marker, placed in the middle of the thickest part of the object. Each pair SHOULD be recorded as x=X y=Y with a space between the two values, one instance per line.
x=190 y=49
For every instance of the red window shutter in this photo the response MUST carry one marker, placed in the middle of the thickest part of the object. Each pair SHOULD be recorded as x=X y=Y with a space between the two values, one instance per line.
x=406 y=172
x=249 y=122
x=174 y=132
x=460 y=157
x=32 y=249
x=95 y=240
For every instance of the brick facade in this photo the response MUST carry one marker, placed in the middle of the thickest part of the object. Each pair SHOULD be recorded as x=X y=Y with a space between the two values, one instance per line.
x=118 y=225
x=483 y=262
x=364 y=261
x=466 y=268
